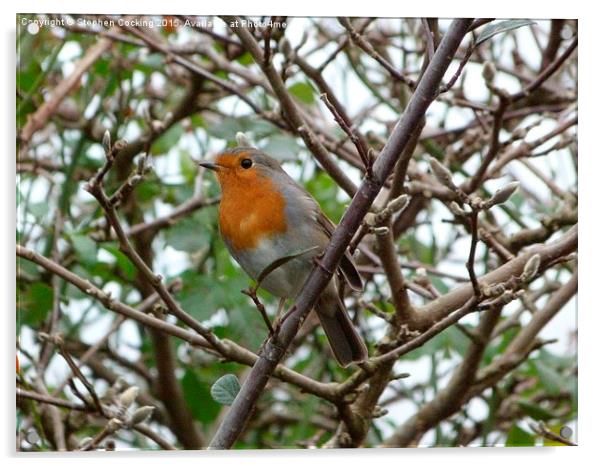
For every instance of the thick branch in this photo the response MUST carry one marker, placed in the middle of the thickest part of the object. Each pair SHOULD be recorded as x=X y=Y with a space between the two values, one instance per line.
x=435 y=310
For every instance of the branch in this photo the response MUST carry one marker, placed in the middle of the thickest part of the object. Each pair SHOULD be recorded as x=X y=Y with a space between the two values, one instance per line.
x=404 y=311
x=22 y=393
x=545 y=74
x=294 y=118
x=274 y=349
x=228 y=349
x=198 y=70
x=525 y=148
x=458 y=72
x=435 y=310
x=540 y=428
x=154 y=436
x=520 y=347
x=144 y=307
x=95 y=187
x=451 y=398
x=494 y=145
x=45 y=111
x=58 y=341
x=474 y=227
x=554 y=41
x=374 y=364
x=345 y=124
x=362 y=43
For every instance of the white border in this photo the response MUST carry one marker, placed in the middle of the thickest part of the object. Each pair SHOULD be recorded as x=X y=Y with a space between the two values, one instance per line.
x=590 y=177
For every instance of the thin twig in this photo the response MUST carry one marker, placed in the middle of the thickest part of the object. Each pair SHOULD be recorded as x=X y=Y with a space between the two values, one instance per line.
x=545 y=74
x=474 y=227
x=252 y=293
x=494 y=145
x=78 y=373
x=458 y=72
x=362 y=43
x=541 y=429
x=363 y=152
x=61 y=403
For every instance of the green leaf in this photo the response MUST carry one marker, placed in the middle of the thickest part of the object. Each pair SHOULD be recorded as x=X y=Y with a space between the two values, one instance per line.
x=281 y=147
x=197 y=396
x=176 y=194
x=518 y=437
x=27 y=268
x=147 y=190
x=34 y=303
x=168 y=140
x=123 y=263
x=451 y=339
x=245 y=324
x=192 y=233
x=551 y=380
x=225 y=389
x=323 y=188
x=101 y=67
x=188 y=168
x=150 y=63
x=491 y=29
x=439 y=284
x=203 y=295
x=535 y=411
x=518 y=200
x=197 y=295
x=27 y=77
x=85 y=248
x=38 y=209
x=245 y=59
x=303 y=91
x=555 y=360
x=226 y=128
x=499 y=345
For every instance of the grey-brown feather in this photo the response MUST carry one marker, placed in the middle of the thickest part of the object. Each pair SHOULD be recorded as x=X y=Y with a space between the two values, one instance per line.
x=346 y=344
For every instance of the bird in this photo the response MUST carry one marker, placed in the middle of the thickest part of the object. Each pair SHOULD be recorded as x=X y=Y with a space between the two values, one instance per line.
x=264 y=216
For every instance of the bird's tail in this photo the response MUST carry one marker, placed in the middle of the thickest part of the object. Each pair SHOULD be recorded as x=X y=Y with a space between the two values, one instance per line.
x=346 y=344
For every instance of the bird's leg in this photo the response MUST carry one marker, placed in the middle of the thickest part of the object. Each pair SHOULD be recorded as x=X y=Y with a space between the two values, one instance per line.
x=252 y=293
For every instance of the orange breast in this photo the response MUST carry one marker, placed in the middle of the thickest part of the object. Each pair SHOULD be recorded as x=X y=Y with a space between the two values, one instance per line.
x=250 y=209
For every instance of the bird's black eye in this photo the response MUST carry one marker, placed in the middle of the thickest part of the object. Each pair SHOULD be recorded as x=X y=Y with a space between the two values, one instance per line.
x=246 y=163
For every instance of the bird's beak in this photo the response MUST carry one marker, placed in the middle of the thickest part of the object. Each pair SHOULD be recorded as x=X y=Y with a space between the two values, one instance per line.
x=210 y=165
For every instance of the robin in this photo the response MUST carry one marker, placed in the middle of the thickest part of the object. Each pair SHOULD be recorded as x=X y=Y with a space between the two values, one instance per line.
x=264 y=215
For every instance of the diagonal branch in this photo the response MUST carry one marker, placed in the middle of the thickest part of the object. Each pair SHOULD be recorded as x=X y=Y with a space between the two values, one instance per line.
x=275 y=347
x=362 y=43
